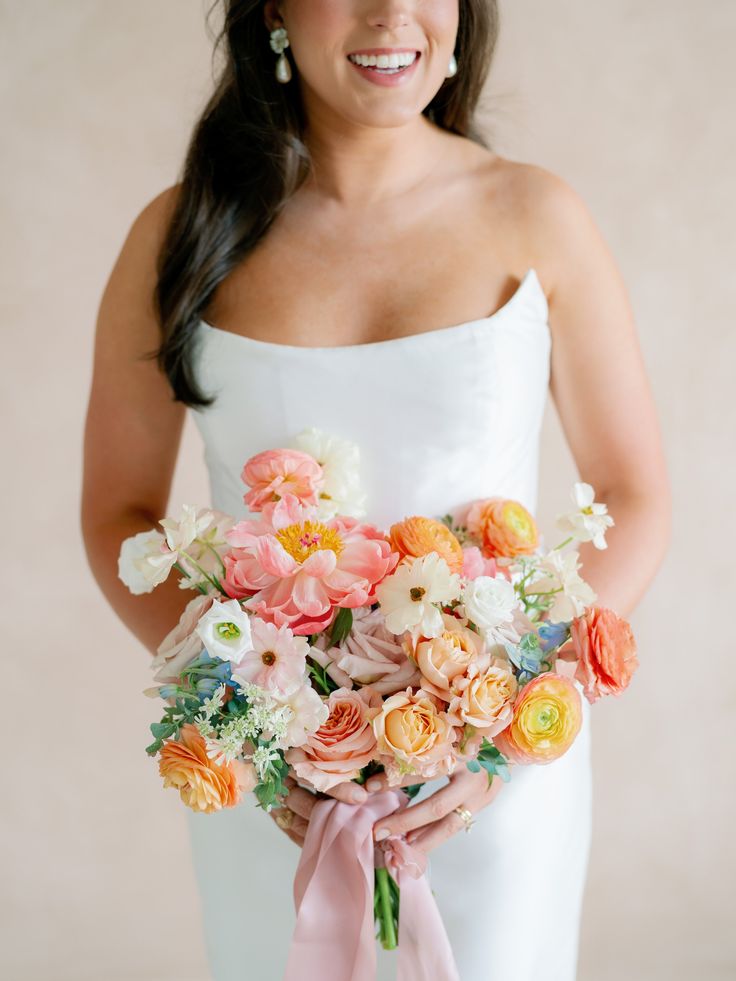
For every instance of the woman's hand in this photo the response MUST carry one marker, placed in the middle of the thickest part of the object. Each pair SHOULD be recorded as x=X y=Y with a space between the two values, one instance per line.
x=434 y=820
x=293 y=816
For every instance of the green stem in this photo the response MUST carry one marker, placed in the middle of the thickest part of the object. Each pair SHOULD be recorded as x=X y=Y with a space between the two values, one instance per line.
x=562 y=544
x=386 y=915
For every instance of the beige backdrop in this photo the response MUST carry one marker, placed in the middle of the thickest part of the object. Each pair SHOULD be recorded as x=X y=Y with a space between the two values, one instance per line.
x=633 y=104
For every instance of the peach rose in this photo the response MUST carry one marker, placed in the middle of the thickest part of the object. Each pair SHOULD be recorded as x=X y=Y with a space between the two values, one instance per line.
x=413 y=736
x=606 y=650
x=486 y=701
x=417 y=536
x=547 y=717
x=446 y=656
x=202 y=784
x=182 y=644
x=504 y=527
x=343 y=745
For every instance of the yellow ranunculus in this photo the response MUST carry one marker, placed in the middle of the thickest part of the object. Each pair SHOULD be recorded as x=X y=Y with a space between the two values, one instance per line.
x=547 y=718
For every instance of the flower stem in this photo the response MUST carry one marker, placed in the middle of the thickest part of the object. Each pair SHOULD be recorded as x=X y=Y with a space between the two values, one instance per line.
x=385 y=910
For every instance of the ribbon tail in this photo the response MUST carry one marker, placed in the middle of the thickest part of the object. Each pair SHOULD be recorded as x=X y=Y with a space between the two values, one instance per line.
x=424 y=948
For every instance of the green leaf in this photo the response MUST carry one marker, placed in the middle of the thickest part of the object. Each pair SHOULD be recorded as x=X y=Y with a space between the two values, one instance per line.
x=163 y=729
x=473 y=766
x=341 y=625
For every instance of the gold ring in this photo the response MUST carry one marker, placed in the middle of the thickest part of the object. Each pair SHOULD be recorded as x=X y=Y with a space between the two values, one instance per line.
x=283 y=817
x=467 y=817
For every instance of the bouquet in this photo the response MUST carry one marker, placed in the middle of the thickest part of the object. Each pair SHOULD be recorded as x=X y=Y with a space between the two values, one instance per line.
x=322 y=646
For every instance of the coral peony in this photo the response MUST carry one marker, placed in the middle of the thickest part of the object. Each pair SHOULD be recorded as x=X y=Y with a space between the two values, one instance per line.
x=203 y=785
x=295 y=569
x=606 y=650
x=504 y=527
x=548 y=713
x=274 y=473
x=343 y=745
x=418 y=536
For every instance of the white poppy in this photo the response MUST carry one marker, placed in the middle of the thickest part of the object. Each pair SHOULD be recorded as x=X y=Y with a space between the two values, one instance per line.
x=408 y=596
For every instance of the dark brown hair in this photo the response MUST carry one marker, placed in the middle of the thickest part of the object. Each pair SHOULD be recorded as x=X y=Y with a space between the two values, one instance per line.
x=246 y=157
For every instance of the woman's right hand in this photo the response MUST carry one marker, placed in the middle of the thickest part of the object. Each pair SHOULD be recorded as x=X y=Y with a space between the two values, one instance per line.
x=293 y=816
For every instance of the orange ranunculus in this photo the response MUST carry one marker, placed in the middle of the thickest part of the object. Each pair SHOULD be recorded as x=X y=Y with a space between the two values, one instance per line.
x=606 y=651
x=504 y=527
x=548 y=714
x=203 y=785
x=417 y=536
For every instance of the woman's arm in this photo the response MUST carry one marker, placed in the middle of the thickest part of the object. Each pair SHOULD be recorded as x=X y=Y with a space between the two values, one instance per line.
x=599 y=386
x=132 y=431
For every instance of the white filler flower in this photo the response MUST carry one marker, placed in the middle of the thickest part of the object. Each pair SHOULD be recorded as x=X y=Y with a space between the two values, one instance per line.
x=409 y=594
x=589 y=521
x=225 y=631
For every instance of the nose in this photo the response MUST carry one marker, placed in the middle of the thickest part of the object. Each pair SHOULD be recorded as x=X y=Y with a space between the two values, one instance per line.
x=389 y=15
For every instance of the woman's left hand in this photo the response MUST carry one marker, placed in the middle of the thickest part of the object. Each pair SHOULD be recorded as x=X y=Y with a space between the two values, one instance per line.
x=434 y=820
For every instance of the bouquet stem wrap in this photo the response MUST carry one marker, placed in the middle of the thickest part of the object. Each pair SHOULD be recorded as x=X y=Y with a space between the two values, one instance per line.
x=333 y=893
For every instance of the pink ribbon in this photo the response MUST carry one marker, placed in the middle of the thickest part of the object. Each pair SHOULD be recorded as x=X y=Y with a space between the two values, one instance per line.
x=334 y=937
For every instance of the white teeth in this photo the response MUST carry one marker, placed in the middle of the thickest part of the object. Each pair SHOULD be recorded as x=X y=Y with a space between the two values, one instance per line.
x=393 y=61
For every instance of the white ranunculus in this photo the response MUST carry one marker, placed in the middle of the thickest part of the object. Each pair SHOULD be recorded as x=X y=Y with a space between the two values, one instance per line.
x=489 y=601
x=145 y=561
x=589 y=521
x=339 y=458
x=225 y=631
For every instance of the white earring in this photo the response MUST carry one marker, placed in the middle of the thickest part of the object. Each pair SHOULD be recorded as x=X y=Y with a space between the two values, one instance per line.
x=278 y=41
x=452 y=67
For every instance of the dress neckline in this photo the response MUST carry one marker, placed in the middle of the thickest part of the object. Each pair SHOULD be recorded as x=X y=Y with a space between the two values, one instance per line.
x=529 y=280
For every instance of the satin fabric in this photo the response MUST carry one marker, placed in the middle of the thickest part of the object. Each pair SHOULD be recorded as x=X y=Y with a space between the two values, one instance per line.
x=441 y=418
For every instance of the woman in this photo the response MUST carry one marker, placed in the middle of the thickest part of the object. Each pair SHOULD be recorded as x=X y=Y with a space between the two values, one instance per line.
x=330 y=258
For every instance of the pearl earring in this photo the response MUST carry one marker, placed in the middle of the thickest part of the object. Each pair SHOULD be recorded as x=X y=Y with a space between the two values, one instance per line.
x=452 y=67
x=278 y=41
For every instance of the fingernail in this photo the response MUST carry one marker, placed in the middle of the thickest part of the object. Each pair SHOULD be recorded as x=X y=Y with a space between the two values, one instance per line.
x=374 y=784
x=381 y=834
x=357 y=794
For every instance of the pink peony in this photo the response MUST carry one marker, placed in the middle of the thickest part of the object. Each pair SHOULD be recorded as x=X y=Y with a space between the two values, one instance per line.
x=295 y=569
x=606 y=651
x=343 y=745
x=274 y=473
x=278 y=660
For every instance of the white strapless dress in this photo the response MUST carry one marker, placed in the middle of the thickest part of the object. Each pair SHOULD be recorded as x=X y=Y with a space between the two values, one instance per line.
x=441 y=418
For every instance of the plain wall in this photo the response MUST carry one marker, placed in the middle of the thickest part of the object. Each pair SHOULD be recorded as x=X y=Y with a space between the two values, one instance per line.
x=632 y=103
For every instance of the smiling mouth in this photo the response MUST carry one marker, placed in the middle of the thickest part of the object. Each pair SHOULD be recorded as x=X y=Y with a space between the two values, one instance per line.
x=385 y=64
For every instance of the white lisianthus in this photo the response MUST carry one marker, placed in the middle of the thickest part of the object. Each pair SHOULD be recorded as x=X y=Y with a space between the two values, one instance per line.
x=408 y=596
x=560 y=571
x=306 y=715
x=225 y=631
x=590 y=519
x=339 y=458
x=145 y=561
x=489 y=601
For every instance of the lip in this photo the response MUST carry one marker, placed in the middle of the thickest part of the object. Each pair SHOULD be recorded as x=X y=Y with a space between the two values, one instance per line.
x=399 y=78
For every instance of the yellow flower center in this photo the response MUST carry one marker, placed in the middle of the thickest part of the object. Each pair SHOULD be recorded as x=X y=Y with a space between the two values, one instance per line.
x=301 y=540
x=517 y=518
x=227 y=629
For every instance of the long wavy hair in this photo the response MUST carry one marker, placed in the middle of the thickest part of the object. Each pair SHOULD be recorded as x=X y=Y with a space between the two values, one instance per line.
x=247 y=156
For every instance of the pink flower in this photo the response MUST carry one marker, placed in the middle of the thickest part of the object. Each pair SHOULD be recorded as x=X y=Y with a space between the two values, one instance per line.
x=295 y=569
x=278 y=660
x=476 y=564
x=414 y=736
x=606 y=651
x=274 y=473
x=182 y=644
x=343 y=745
x=370 y=655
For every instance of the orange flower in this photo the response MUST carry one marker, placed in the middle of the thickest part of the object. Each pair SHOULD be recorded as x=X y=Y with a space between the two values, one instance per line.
x=606 y=651
x=417 y=536
x=504 y=527
x=547 y=718
x=202 y=784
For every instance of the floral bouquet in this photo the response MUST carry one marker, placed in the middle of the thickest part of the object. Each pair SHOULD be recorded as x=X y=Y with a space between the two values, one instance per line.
x=321 y=646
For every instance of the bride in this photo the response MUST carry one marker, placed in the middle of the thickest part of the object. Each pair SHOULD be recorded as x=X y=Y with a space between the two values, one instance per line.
x=345 y=251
